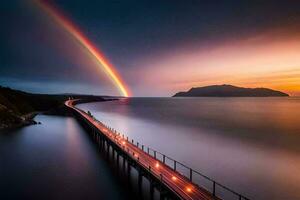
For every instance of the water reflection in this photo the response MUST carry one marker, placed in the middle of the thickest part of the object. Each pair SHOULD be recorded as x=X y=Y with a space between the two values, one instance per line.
x=74 y=150
x=55 y=160
x=249 y=144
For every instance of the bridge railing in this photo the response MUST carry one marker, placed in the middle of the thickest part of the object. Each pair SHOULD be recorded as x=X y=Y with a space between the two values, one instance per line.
x=198 y=179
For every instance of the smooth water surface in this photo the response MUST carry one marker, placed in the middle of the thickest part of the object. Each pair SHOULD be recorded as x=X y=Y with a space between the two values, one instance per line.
x=251 y=145
x=54 y=160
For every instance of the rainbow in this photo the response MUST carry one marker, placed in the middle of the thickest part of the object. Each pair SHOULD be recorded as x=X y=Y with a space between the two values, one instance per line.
x=74 y=31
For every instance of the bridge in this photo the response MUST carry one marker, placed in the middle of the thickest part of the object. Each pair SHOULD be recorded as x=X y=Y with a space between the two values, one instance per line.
x=172 y=179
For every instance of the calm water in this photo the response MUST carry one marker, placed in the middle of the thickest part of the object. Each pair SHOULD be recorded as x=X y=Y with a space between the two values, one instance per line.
x=55 y=160
x=251 y=145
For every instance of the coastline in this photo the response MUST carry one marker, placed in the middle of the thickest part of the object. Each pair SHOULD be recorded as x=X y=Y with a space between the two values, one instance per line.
x=17 y=121
x=28 y=119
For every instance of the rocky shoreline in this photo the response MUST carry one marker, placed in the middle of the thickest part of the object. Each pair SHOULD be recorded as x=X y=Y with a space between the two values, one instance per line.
x=18 y=108
x=15 y=121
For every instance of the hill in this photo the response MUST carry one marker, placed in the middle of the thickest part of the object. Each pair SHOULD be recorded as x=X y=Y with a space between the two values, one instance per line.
x=229 y=91
x=17 y=108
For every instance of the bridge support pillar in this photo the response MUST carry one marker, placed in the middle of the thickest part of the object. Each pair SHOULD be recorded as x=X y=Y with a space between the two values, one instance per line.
x=113 y=154
x=129 y=174
x=98 y=141
x=140 y=183
x=102 y=143
x=118 y=157
x=124 y=163
x=107 y=150
x=151 y=190
x=162 y=195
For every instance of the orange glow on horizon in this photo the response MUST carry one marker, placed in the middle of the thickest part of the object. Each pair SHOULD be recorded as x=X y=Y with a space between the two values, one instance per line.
x=108 y=68
x=269 y=60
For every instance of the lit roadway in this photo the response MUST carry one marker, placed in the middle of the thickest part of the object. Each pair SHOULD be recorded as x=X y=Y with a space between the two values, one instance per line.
x=179 y=184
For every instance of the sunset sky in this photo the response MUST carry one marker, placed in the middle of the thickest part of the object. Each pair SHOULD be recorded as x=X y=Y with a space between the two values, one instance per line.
x=156 y=47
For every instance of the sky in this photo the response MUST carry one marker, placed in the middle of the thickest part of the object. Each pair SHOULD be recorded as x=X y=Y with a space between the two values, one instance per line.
x=156 y=47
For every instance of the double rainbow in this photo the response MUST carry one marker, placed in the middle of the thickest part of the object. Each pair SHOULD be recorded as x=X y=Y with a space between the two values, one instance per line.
x=86 y=43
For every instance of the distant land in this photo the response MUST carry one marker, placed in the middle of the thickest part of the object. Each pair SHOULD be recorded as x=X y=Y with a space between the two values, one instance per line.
x=18 y=108
x=230 y=91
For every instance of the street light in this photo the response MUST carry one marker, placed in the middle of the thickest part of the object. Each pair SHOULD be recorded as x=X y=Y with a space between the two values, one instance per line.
x=188 y=189
x=174 y=178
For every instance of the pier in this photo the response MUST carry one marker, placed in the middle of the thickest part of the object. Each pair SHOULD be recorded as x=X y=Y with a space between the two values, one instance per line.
x=172 y=179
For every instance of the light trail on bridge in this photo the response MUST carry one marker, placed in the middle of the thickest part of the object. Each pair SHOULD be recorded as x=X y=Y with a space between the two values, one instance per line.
x=172 y=179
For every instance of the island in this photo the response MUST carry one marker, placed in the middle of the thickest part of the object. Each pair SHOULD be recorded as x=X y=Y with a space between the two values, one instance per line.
x=230 y=91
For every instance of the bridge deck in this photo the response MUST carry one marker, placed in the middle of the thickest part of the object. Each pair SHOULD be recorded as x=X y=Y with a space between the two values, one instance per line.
x=176 y=182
